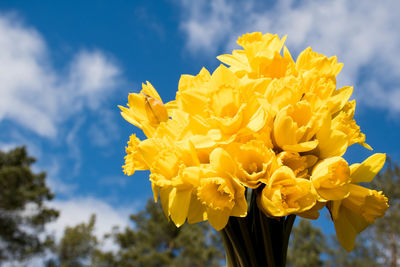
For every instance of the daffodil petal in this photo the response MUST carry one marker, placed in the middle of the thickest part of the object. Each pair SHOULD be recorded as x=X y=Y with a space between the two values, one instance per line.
x=366 y=171
x=197 y=212
x=221 y=161
x=345 y=231
x=179 y=206
x=218 y=218
x=301 y=147
x=333 y=145
x=164 y=197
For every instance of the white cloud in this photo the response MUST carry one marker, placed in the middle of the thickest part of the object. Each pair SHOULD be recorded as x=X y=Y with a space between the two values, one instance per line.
x=78 y=210
x=363 y=34
x=92 y=77
x=7 y=147
x=207 y=22
x=34 y=93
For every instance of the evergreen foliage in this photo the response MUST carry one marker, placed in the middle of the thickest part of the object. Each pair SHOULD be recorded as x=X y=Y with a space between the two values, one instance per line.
x=23 y=213
x=306 y=245
x=155 y=241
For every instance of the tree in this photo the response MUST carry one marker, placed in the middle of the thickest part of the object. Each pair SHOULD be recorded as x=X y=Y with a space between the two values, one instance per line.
x=23 y=214
x=379 y=244
x=306 y=245
x=77 y=246
x=153 y=241
x=364 y=254
x=387 y=228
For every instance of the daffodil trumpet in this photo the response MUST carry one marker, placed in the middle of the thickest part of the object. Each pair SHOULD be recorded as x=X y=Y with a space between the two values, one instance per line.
x=254 y=144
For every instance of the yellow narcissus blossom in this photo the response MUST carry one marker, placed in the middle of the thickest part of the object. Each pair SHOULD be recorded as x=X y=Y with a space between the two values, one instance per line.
x=331 y=178
x=255 y=162
x=279 y=93
x=294 y=127
x=331 y=142
x=133 y=159
x=310 y=63
x=260 y=57
x=299 y=164
x=220 y=192
x=174 y=173
x=345 y=123
x=265 y=125
x=354 y=213
x=285 y=194
x=223 y=103
x=146 y=110
x=191 y=96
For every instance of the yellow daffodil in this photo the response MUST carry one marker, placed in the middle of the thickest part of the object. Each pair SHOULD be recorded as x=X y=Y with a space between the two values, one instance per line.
x=175 y=171
x=354 y=213
x=311 y=63
x=282 y=92
x=191 y=96
x=260 y=57
x=285 y=194
x=146 y=110
x=331 y=142
x=299 y=164
x=331 y=178
x=255 y=162
x=220 y=192
x=294 y=127
x=133 y=158
x=345 y=123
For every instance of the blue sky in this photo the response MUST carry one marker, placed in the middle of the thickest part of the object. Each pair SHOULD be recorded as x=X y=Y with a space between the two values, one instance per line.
x=65 y=66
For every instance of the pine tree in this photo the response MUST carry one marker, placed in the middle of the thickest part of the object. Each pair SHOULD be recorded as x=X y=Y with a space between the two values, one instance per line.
x=78 y=245
x=364 y=254
x=306 y=245
x=387 y=228
x=154 y=241
x=379 y=244
x=23 y=214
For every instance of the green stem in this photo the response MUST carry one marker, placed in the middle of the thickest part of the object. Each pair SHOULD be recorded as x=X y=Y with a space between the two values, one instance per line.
x=288 y=225
x=233 y=234
x=231 y=260
x=244 y=227
x=256 y=231
x=257 y=240
x=266 y=233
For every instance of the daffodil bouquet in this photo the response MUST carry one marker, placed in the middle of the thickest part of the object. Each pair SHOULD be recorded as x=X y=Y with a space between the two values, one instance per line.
x=253 y=145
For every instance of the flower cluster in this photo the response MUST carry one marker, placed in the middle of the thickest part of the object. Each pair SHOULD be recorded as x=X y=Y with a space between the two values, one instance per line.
x=266 y=123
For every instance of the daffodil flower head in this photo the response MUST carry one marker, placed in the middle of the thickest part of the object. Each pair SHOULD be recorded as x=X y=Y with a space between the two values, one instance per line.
x=362 y=206
x=286 y=194
x=146 y=109
x=331 y=178
x=255 y=162
x=133 y=158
